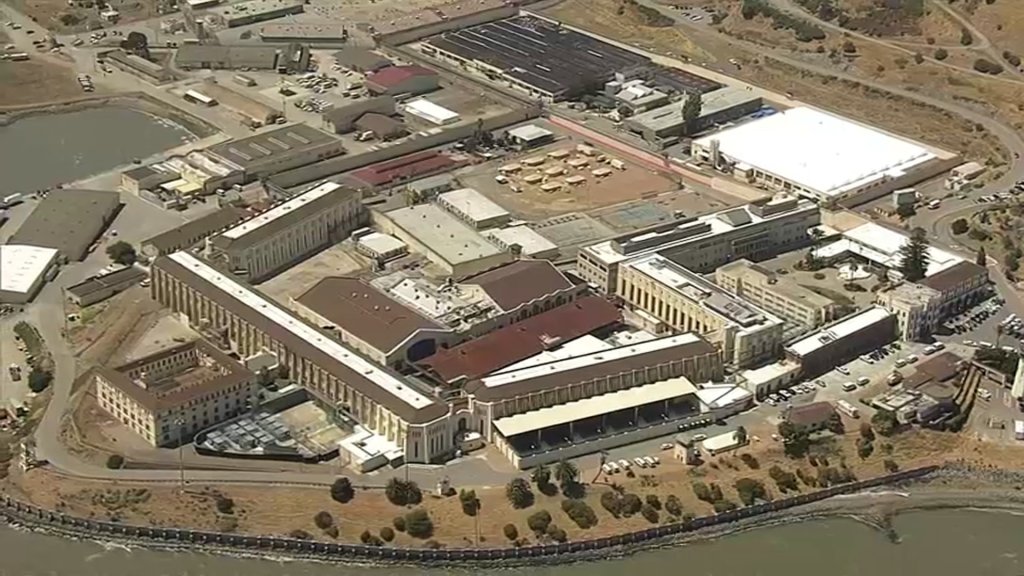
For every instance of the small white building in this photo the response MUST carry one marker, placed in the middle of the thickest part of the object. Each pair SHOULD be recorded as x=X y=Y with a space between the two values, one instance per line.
x=474 y=208
x=380 y=247
x=23 y=269
x=433 y=113
x=530 y=136
x=716 y=445
x=531 y=244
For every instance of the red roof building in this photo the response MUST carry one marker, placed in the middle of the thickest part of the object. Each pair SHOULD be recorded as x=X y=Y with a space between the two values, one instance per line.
x=403 y=80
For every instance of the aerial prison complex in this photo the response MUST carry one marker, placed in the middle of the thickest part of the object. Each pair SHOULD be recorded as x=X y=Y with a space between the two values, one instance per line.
x=444 y=284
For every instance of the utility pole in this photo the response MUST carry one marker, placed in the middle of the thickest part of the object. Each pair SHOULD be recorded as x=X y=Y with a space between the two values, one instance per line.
x=181 y=452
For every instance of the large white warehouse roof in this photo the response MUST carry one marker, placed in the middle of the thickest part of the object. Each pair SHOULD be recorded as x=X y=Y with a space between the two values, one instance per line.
x=825 y=154
x=22 y=266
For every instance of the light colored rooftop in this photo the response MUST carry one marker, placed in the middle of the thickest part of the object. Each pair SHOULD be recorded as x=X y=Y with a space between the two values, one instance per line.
x=882 y=245
x=576 y=347
x=446 y=235
x=526 y=237
x=715 y=396
x=698 y=290
x=591 y=359
x=473 y=204
x=530 y=132
x=711 y=103
x=431 y=112
x=842 y=329
x=380 y=243
x=22 y=265
x=594 y=406
x=606 y=253
x=274 y=313
x=768 y=372
x=772 y=282
x=280 y=210
x=721 y=442
x=823 y=153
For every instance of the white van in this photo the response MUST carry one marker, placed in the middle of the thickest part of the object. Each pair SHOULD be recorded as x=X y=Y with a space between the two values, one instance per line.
x=849 y=387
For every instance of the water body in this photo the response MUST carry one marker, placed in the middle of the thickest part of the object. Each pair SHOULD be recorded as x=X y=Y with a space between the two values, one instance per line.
x=935 y=543
x=42 y=151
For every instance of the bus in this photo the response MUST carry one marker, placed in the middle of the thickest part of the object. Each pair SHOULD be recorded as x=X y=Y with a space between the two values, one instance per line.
x=847 y=408
x=198 y=98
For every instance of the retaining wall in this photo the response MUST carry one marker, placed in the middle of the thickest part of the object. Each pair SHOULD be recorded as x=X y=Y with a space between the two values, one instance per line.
x=33 y=516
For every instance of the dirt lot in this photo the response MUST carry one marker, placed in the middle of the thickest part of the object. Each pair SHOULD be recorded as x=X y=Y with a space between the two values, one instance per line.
x=108 y=337
x=58 y=16
x=632 y=183
x=1001 y=22
x=263 y=510
x=36 y=82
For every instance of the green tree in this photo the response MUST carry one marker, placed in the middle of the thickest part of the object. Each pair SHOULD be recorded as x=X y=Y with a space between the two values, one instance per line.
x=864 y=448
x=115 y=461
x=795 y=439
x=649 y=513
x=701 y=491
x=387 y=534
x=835 y=424
x=323 y=520
x=541 y=476
x=341 y=490
x=941 y=54
x=981 y=258
x=122 y=253
x=39 y=380
x=511 y=532
x=418 y=524
x=866 y=432
x=740 y=435
x=691 y=113
x=914 y=256
x=470 y=503
x=673 y=506
x=631 y=504
x=403 y=492
x=567 y=474
x=750 y=490
x=539 y=521
x=884 y=422
x=959 y=226
x=518 y=493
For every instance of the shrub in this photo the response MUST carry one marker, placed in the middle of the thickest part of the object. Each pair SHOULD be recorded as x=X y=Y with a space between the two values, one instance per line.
x=387 y=534
x=557 y=534
x=115 y=461
x=418 y=524
x=300 y=535
x=611 y=502
x=39 y=380
x=332 y=531
x=941 y=54
x=716 y=493
x=849 y=47
x=225 y=505
x=403 y=492
x=510 y=531
x=122 y=253
x=672 y=505
x=470 y=503
x=227 y=524
x=539 y=521
x=631 y=504
x=323 y=520
x=864 y=447
x=399 y=523
x=783 y=479
x=369 y=539
x=890 y=465
x=750 y=461
x=988 y=66
x=750 y=490
x=653 y=501
x=724 y=506
x=959 y=226
x=965 y=37
x=519 y=493
x=649 y=513
x=1011 y=58
x=580 y=512
x=702 y=492
x=341 y=490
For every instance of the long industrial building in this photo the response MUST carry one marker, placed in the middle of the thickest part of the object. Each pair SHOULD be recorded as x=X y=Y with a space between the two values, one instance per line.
x=679 y=300
x=820 y=156
x=212 y=302
x=274 y=151
x=756 y=231
x=270 y=241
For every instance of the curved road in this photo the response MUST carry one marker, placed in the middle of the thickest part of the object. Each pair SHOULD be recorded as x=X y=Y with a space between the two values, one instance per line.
x=48 y=315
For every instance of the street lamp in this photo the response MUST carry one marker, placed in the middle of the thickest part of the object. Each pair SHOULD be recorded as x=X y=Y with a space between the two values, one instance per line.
x=180 y=422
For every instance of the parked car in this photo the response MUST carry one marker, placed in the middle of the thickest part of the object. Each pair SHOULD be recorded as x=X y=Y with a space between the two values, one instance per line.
x=843 y=370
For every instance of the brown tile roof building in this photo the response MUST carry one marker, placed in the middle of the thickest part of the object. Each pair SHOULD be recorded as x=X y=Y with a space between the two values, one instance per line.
x=355 y=307
x=520 y=282
x=521 y=340
x=954 y=276
x=814 y=415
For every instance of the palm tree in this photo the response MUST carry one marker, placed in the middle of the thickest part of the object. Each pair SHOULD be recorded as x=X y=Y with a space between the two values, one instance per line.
x=999 y=333
x=566 y=473
x=541 y=476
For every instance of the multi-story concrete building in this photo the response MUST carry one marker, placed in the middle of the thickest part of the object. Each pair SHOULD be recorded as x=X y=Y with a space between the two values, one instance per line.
x=681 y=301
x=270 y=241
x=801 y=308
x=842 y=341
x=169 y=396
x=756 y=231
x=339 y=377
x=918 y=309
x=533 y=387
x=959 y=286
x=274 y=151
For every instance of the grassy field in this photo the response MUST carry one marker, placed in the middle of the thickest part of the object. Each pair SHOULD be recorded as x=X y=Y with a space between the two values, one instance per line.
x=34 y=82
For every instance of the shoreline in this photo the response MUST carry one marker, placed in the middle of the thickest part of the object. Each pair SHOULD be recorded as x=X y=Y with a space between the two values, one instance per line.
x=942 y=489
x=137 y=101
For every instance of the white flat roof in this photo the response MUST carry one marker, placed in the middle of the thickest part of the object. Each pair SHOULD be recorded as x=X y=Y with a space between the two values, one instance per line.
x=431 y=112
x=381 y=243
x=280 y=210
x=526 y=237
x=720 y=442
x=271 y=311
x=842 y=329
x=444 y=234
x=529 y=132
x=473 y=204
x=594 y=406
x=21 y=266
x=882 y=245
x=586 y=344
x=820 y=152
x=768 y=372
x=716 y=396
x=594 y=358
